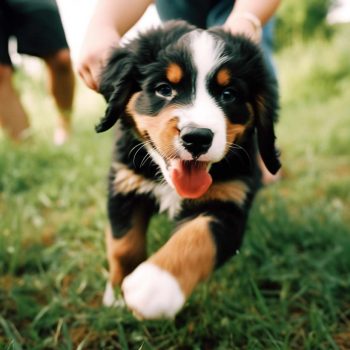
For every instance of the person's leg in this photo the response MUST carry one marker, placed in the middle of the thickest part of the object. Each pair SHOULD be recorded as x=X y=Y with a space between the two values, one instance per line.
x=39 y=32
x=61 y=86
x=13 y=117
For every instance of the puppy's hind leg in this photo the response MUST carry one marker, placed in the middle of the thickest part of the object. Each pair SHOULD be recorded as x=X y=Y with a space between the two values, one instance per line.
x=126 y=246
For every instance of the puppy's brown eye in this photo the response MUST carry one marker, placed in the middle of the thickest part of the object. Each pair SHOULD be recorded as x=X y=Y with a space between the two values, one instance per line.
x=164 y=90
x=229 y=95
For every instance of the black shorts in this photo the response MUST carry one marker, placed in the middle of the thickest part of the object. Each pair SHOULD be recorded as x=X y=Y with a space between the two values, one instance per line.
x=36 y=24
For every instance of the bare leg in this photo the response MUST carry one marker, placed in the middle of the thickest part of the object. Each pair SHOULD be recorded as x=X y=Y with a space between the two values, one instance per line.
x=61 y=86
x=267 y=177
x=13 y=117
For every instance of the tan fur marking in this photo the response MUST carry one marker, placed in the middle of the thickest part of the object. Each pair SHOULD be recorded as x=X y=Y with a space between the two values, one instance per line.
x=126 y=181
x=189 y=255
x=223 y=77
x=174 y=73
x=235 y=131
x=162 y=128
x=165 y=137
x=126 y=253
x=130 y=110
x=230 y=191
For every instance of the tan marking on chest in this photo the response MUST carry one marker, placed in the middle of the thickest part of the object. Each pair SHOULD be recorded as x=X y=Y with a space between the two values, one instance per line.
x=231 y=191
x=126 y=180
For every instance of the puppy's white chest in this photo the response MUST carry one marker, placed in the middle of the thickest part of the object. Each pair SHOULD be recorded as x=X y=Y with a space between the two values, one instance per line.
x=168 y=200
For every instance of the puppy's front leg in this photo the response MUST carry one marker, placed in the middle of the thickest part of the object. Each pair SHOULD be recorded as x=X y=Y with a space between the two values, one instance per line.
x=159 y=287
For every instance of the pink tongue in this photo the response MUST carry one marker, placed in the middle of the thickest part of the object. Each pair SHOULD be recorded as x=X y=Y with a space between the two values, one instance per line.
x=191 y=179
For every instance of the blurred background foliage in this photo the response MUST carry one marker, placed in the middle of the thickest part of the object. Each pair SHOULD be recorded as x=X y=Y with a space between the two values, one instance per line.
x=302 y=20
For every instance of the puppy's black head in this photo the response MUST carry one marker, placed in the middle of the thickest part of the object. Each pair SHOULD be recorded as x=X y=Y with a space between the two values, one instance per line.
x=190 y=95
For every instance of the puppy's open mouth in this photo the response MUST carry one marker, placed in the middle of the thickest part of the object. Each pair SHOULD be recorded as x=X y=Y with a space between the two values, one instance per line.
x=190 y=178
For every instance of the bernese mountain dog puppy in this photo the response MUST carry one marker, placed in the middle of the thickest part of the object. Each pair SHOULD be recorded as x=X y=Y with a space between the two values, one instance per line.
x=194 y=107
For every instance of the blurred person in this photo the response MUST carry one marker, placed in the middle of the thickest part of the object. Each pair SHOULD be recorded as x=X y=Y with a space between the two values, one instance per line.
x=113 y=18
x=37 y=27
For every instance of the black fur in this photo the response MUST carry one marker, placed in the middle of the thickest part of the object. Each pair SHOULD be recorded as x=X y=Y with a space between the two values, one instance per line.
x=128 y=68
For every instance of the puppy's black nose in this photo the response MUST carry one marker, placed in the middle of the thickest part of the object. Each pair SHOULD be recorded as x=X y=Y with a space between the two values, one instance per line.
x=197 y=141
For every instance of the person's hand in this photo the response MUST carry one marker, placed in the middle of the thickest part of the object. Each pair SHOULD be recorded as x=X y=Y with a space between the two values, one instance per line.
x=95 y=51
x=245 y=24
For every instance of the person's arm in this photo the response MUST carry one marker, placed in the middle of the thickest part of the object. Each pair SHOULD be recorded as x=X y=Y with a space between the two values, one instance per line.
x=248 y=16
x=110 y=21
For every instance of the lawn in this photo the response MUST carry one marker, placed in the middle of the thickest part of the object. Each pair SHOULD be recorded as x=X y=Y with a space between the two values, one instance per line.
x=289 y=288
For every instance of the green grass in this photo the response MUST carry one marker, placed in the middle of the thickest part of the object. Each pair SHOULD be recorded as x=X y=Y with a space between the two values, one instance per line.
x=289 y=288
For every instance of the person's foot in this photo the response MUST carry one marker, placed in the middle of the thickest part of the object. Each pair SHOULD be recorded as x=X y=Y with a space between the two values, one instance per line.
x=61 y=135
x=26 y=136
x=63 y=128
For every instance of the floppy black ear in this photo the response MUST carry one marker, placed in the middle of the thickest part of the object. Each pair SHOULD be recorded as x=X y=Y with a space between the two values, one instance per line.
x=266 y=114
x=117 y=85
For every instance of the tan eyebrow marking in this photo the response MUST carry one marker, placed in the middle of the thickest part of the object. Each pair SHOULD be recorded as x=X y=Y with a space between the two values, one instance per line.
x=174 y=73
x=223 y=77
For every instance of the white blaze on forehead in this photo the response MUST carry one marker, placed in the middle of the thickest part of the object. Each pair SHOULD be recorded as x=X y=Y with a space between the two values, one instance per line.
x=206 y=52
x=204 y=112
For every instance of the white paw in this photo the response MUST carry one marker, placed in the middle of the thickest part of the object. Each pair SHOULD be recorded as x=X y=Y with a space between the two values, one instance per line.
x=109 y=299
x=151 y=292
